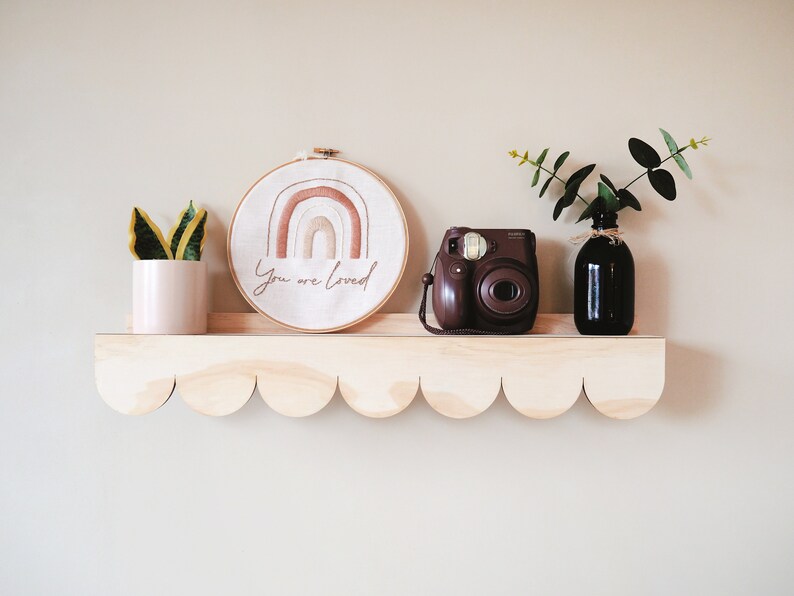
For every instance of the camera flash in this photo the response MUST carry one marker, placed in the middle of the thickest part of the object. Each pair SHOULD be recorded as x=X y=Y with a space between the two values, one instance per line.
x=474 y=246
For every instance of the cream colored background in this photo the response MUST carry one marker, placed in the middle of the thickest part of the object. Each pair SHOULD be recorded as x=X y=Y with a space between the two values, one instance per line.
x=104 y=105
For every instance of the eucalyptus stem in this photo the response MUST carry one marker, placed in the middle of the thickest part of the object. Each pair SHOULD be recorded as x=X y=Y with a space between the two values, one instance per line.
x=645 y=173
x=608 y=198
x=553 y=175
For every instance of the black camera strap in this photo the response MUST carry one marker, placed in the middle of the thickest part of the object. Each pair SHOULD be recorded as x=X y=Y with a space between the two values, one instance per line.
x=427 y=281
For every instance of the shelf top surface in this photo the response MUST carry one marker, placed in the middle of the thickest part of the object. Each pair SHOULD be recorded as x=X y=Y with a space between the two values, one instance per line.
x=547 y=326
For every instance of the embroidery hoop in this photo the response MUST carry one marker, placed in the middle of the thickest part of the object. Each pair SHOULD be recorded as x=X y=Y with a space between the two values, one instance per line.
x=382 y=291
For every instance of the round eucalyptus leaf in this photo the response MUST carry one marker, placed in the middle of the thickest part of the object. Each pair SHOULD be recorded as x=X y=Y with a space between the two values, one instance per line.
x=570 y=191
x=644 y=154
x=605 y=194
x=608 y=182
x=663 y=183
x=627 y=199
x=580 y=174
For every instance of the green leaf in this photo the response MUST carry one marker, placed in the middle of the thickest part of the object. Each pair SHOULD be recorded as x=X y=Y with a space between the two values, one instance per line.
x=597 y=205
x=570 y=191
x=536 y=177
x=663 y=183
x=192 y=243
x=545 y=186
x=580 y=174
x=629 y=200
x=558 y=208
x=608 y=182
x=526 y=156
x=175 y=235
x=561 y=160
x=610 y=202
x=693 y=143
x=644 y=154
x=588 y=212
x=679 y=159
x=542 y=156
x=146 y=239
x=671 y=144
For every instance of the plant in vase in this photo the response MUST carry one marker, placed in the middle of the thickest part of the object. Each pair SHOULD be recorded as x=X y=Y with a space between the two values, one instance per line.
x=185 y=240
x=169 y=284
x=604 y=270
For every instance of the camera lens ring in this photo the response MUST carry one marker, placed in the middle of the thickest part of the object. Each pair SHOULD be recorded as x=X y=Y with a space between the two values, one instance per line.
x=507 y=282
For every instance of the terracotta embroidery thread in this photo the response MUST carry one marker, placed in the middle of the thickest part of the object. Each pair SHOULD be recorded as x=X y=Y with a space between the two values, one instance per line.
x=318 y=244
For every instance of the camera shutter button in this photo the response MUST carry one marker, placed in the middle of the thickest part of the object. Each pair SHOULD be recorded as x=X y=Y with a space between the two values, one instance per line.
x=458 y=270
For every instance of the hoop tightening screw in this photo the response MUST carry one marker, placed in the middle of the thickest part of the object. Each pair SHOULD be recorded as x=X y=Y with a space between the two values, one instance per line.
x=326 y=152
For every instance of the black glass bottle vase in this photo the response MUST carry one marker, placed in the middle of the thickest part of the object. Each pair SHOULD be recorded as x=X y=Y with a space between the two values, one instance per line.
x=603 y=284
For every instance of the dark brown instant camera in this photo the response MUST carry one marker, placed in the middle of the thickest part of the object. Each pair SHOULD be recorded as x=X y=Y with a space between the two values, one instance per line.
x=486 y=280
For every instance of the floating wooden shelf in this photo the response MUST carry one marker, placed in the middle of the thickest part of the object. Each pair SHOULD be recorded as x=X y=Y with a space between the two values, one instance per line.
x=378 y=367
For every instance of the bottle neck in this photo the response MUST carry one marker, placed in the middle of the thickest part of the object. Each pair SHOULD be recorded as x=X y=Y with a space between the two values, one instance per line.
x=605 y=221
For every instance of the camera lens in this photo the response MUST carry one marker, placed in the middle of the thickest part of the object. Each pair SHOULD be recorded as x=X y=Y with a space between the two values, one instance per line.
x=505 y=290
x=505 y=293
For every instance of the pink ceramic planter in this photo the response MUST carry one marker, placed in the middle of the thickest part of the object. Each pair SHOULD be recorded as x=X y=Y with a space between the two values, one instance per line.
x=169 y=297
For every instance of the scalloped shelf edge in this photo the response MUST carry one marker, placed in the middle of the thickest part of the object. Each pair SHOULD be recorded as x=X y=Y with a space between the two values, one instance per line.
x=380 y=375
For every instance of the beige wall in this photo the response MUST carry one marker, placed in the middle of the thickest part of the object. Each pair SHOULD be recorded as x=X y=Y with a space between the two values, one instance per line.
x=108 y=104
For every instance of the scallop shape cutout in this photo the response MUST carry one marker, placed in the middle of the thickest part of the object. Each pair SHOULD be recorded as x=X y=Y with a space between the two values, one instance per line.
x=460 y=394
x=136 y=396
x=542 y=388
x=378 y=377
x=625 y=379
x=377 y=396
x=460 y=379
x=294 y=389
x=129 y=379
x=217 y=390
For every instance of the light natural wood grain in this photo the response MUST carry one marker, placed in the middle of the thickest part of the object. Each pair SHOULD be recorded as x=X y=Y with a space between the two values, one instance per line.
x=372 y=373
x=461 y=378
x=379 y=376
x=547 y=382
x=623 y=380
x=128 y=379
x=296 y=380
x=218 y=386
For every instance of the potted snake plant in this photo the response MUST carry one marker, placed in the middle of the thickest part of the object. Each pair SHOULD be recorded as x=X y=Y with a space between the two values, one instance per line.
x=169 y=280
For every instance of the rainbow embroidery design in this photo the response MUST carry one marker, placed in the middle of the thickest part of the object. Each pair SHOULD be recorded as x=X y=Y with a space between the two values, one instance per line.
x=304 y=213
x=318 y=245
